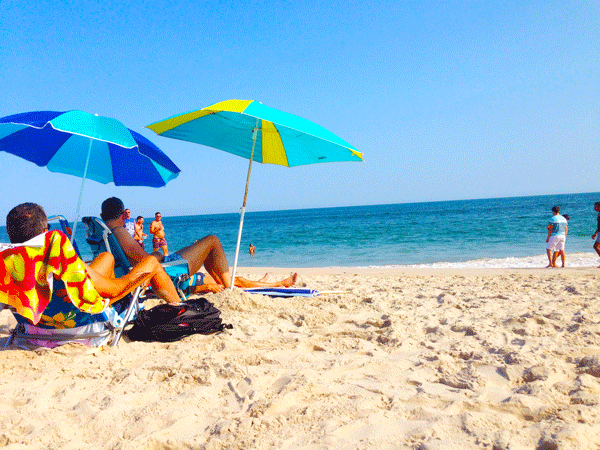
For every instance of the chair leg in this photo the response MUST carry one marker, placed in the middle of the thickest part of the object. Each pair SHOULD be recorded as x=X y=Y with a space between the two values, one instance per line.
x=133 y=307
x=11 y=338
x=177 y=282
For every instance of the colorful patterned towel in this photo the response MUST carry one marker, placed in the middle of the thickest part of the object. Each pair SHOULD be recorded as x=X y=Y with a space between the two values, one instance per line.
x=25 y=277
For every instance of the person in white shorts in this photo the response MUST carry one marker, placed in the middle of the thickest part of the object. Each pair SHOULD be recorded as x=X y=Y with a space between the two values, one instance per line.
x=557 y=235
x=562 y=252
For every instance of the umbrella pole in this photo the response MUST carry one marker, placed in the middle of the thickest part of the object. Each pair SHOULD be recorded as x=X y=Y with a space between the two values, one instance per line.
x=87 y=162
x=243 y=209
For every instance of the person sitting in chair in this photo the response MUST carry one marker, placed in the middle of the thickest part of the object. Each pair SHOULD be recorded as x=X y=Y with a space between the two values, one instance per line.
x=28 y=220
x=207 y=251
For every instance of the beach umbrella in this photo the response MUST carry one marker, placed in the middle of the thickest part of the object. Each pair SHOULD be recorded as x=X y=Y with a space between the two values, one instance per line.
x=257 y=132
x=88 y=146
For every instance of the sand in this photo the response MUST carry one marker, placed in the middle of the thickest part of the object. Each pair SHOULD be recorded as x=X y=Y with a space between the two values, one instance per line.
x=391 y=359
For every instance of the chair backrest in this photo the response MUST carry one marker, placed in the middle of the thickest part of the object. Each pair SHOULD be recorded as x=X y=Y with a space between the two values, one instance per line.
x=101 y=239
x=64 y=225
x=60 y=320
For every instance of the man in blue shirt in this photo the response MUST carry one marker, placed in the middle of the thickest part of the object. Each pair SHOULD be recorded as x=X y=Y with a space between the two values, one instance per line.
x=129 y=223
x=557 y=235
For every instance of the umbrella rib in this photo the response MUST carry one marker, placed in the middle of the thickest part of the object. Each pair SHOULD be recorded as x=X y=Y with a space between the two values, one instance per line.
x=304 y=133
x=94 y=138
x=353 y=150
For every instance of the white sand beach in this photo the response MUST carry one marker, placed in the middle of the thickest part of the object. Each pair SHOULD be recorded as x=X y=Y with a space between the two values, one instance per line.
x=388 y=359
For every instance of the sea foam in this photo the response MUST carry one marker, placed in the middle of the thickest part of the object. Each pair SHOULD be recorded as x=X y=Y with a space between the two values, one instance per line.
x=529 y=262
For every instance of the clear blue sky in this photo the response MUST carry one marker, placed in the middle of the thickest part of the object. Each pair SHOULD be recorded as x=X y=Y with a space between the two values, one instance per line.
x=447 y=100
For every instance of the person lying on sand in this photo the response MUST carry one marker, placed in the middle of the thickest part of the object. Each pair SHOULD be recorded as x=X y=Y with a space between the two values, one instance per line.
x=207 y=251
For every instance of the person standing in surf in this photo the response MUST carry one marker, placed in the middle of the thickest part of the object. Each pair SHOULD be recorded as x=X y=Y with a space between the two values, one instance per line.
x=596 y=235
x=557 y=232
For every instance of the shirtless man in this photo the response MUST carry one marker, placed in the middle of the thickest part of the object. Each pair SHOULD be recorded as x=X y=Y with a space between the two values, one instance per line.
x=139 y=235
x=207 y=251
x=157 y=229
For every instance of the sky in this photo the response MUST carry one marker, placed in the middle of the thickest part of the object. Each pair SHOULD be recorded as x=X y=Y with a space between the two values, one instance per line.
x=446 y=100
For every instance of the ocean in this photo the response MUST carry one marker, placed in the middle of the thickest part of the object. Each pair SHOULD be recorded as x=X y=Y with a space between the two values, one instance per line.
x=485 y=233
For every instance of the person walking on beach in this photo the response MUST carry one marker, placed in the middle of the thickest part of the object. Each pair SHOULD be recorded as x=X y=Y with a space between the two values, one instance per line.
x=129 y=222
x=139 y=235
x=557 y=230
x=562 y=252
x=157 y=229
x=596 y=235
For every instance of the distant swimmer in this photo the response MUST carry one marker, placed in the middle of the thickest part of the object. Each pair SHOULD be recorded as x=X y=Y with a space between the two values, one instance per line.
x=157 y=229
x=251 y=249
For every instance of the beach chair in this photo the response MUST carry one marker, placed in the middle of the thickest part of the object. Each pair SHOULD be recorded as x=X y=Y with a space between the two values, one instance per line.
x=65 y=228
x=101 y=239
x=53 y=300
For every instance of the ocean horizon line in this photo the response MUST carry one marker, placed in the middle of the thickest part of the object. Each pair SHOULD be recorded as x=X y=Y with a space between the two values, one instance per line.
x=502 y=197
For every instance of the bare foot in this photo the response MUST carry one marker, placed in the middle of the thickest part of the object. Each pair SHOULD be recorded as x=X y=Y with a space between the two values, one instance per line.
x=289 y=281
x=208 y=287
x=264 y=279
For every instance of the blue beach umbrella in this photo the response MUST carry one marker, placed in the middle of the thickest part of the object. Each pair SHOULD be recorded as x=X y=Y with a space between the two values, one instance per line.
x=257 y=132
x=88 y=146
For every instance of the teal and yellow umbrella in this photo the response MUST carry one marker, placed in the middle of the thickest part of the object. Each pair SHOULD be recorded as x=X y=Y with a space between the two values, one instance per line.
x=249 y=129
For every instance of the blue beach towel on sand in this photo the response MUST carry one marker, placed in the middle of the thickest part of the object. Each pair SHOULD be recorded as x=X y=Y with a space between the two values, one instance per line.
x=283 y=292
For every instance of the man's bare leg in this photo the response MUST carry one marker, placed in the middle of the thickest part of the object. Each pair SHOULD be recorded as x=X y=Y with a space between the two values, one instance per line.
x=102 y=275
x=211 y=285
x=163 y=286
x=549 y=253
x=597 y=248
x=165 y=250
x=104 y=264
x=208 y=251
x=245 y=283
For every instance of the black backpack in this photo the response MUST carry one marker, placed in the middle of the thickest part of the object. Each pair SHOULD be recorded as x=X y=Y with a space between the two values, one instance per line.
x=168 y=323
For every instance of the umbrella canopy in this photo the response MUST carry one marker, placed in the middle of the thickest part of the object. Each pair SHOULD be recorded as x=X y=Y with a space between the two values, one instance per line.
x=88 y=146
x=282 y=138
x=60 y=141
x=257 y=132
